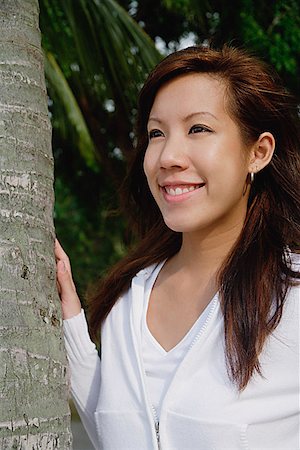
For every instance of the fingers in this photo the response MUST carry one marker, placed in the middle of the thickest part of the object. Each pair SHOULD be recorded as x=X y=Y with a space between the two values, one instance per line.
x=71 y=305
x=60 y=254
x=64 y=279
x=59 y=251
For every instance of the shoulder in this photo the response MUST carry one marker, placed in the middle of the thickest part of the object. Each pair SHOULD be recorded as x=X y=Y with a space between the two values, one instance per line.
x=144 y=278
x=149 y=272
x=291 y=309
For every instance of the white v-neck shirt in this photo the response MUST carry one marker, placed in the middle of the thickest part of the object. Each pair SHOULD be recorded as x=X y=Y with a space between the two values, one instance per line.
x=202 y=409
x=160 y=365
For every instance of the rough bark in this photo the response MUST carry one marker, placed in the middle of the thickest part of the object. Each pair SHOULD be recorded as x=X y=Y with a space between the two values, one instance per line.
x=34 y=411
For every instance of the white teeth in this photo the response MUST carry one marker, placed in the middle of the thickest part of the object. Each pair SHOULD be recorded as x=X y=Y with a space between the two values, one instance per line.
x=180 y=191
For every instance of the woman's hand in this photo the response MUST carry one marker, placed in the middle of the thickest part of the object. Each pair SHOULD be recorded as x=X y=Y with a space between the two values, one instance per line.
x=70 y=302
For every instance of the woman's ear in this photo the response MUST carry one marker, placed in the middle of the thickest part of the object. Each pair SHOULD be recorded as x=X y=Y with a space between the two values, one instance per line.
x=261 y=152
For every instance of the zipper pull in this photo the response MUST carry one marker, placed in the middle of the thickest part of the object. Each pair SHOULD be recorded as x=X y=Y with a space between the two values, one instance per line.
x=157 y=435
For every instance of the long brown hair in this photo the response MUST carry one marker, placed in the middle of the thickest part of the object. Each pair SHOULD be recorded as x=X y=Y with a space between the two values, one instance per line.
x=255 y=278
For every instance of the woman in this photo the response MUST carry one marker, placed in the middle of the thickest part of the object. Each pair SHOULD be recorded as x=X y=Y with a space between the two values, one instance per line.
x=199 y=324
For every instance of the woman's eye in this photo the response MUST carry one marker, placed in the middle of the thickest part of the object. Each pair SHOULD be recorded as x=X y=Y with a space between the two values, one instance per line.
x=199 y=129
x=155 y=133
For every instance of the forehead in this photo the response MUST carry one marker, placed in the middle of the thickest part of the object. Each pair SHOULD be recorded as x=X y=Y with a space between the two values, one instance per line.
x=189 y=93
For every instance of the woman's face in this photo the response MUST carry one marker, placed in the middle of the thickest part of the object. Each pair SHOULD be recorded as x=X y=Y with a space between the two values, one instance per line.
x=196 y=162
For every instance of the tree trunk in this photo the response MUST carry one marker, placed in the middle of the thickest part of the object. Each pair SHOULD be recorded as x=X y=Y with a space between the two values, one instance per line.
x=34 y=411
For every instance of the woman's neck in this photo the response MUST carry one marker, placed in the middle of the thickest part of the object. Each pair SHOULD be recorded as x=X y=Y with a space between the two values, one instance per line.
x=206 y=251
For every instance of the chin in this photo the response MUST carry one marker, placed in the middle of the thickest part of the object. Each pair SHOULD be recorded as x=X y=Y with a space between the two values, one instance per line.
x=179 y=227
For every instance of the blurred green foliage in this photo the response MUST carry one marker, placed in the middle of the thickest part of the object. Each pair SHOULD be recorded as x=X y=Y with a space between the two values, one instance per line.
x=97 y=55
x=96 y=59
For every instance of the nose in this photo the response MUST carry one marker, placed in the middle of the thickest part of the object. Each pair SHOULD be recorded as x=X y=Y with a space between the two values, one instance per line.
x=173 y=154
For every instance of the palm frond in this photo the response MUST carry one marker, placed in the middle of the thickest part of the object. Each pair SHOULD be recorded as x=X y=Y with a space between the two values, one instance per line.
x=110 y=46
x=75 y=118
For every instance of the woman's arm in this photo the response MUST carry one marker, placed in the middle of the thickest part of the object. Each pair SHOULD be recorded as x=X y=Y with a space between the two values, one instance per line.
x=82 y=354
x=84 y=366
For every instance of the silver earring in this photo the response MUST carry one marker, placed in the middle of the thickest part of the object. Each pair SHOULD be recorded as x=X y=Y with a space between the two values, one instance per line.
x=251 y=177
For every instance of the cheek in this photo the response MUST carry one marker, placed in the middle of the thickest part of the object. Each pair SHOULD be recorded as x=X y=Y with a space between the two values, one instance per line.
x=150 y=170
x=232 y=163
x=148 y=165
x=145 y=165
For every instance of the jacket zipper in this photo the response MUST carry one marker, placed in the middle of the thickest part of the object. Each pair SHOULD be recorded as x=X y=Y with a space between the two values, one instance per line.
x=156 y=424
x=156 y=421
x=204 y=325
x=157 y=435
x=149 y=406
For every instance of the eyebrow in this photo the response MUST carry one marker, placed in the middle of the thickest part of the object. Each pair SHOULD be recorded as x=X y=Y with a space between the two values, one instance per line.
x=188 y=117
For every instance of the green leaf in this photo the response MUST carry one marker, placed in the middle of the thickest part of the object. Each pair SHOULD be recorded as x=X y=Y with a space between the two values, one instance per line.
x=63 y=91
x=110 y=42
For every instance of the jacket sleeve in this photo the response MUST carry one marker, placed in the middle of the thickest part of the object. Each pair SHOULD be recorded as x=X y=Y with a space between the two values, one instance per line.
x=84 y=363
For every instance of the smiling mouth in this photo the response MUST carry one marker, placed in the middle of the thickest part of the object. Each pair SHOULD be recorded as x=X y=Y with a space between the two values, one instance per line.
x=174 y=191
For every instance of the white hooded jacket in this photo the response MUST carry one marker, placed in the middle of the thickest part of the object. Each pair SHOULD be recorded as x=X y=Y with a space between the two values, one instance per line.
x=202 y=409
